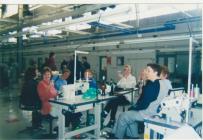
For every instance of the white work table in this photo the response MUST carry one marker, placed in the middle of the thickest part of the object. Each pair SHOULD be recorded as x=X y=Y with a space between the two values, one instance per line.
x=80 y=104
x=157 y=128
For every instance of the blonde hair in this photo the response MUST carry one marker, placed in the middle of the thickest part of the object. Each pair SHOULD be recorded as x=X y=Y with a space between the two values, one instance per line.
x=129 y=67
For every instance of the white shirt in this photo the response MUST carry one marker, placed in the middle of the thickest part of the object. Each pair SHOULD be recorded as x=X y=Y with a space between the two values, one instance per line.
x=128 y=82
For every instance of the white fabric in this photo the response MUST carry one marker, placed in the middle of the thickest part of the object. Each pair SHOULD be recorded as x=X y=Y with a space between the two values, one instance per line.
x=128 y=82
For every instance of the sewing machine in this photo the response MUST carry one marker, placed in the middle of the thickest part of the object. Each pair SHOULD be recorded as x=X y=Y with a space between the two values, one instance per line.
x=173 y=107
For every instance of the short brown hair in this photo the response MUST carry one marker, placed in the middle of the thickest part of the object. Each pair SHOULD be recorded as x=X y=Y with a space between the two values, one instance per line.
x=66 y=70
x=164 y=71
x=46 y=69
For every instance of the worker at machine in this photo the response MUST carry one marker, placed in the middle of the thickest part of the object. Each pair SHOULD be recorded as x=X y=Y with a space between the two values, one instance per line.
x=59 y=81
x=88 y=75
x=127 y=80
x=146 y=105
x=46 y=91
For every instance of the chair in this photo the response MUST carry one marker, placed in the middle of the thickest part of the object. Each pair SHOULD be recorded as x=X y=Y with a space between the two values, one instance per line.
x=36 y=117
x=49 y=119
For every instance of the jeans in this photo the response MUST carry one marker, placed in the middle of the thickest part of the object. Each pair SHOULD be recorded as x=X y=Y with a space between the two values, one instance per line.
x=112 y=105
x=127 y=124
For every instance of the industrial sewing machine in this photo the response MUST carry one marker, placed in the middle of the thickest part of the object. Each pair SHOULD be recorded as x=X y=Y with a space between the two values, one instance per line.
x=172 y=114
x=173 y=107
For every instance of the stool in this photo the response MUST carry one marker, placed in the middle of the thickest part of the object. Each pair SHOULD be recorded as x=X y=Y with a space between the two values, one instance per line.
x=35 y=113
x=50 y=119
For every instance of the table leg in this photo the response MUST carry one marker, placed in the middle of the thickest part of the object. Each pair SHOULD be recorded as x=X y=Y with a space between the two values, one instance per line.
x=61 y=125
x=97 y=111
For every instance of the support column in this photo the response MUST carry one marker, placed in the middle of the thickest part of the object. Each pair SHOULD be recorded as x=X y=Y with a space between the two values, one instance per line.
x=19 y=53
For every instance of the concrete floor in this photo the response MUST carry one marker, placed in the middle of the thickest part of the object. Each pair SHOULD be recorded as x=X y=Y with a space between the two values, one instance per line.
x=13 y=119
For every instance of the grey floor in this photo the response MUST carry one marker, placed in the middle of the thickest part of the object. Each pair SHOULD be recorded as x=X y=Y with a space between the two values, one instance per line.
x=13 y=119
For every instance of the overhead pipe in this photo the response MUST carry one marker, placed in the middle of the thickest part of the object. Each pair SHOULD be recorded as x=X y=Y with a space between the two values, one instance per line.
x=168 y=25
x=106 y=44
x=141 y=31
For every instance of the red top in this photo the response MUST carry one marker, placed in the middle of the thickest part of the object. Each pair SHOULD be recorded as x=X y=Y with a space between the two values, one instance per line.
x=46 y=91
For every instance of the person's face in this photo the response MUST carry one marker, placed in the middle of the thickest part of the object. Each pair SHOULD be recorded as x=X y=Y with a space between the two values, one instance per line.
x=143 y=74
x=163 y=76
x=66 y=75
x=88 y=75
x=47 y=76
x=150 y=73
x=126 y=70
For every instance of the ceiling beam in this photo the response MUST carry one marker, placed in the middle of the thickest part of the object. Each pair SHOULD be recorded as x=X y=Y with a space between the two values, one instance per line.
x=9 y=21
x=39 y=20
x=82 y=19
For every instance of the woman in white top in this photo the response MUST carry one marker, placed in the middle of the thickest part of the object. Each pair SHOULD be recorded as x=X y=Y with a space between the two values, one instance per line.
x=127 y=80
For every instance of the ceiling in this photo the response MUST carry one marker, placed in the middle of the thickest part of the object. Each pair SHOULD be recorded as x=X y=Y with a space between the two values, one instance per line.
x=88 y=24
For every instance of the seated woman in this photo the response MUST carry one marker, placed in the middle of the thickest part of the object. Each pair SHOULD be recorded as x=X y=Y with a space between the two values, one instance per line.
x=127 y=81
x=29 y=99
x=147 y=104
x=89 y=76
x=46 y=91
x=59 y=81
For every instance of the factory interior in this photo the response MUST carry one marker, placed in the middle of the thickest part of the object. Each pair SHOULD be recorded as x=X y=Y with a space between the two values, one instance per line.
x=101 y=71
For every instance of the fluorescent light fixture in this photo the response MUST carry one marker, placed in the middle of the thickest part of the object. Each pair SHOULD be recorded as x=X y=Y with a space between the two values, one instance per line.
x=79 y=26
x=12 y=39
x=33 y=7
x=81 y=52
x=53 y=32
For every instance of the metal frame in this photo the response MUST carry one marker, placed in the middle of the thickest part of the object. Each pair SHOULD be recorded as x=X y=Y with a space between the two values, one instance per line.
x=86 y=105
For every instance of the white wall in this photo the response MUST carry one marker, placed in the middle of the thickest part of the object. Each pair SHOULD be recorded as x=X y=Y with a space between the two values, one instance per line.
x=136 y=60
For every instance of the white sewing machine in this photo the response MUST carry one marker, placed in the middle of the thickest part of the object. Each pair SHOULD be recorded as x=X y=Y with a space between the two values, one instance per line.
x=173 y=106
x=69 y=91
x=82 y=85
